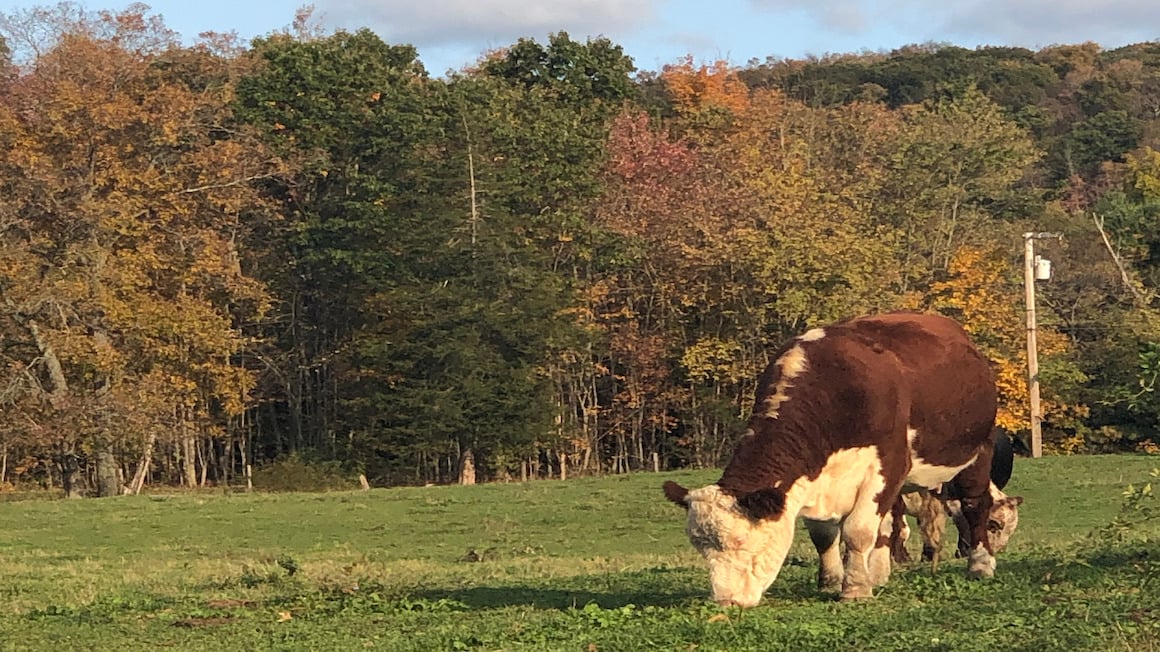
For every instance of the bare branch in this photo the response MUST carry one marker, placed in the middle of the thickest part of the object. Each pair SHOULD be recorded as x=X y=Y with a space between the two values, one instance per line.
x=1137 y=293
x=230 y=184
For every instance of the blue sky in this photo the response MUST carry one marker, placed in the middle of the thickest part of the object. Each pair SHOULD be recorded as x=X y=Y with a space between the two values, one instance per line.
x=453 y=33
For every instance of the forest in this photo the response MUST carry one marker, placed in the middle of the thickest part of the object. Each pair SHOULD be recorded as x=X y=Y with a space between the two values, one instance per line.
x=218 y=255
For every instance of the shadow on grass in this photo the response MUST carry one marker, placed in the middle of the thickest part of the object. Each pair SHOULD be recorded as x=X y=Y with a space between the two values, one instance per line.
x=652 y=587
x=499 y=597
x=1082 y=565
x=671 y=587
x=647 y=588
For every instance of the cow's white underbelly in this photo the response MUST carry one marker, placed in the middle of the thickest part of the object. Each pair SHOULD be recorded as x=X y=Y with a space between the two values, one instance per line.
x=847 y=474
x=929 y=476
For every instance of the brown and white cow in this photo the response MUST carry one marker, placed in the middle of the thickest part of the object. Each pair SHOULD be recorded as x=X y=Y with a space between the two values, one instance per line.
x=844 y=417
x=931 y=511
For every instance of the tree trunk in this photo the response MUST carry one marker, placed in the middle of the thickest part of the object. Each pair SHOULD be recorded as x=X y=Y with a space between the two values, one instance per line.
x=70 y=477
x=66 y=459
x=467 y=467
x=107 y=481
x=246 y=471
x=189 y=461
x=205 y=452
x=143 y=466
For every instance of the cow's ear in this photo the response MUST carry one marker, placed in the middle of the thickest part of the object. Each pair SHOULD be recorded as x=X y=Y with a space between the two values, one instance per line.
x=676 y=493
x=762 y=504
x=1014 y=501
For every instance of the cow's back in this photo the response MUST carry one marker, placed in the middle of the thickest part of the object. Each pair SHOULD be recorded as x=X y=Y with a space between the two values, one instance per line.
x=950 y=384
x=865 y=382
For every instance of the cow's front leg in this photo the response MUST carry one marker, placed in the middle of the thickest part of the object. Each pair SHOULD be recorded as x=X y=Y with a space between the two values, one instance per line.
x=981 y=559
x=824 y=535
x=899 y=533
x=974 y=488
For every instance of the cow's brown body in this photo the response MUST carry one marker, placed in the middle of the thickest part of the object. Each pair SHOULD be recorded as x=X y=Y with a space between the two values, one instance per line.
x=844 y=417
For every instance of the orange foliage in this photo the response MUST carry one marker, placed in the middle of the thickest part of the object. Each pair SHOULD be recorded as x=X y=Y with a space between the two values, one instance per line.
x=698 y=88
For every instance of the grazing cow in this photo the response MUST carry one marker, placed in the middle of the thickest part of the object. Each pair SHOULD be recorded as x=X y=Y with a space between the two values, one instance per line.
x=931 y=510
x=844 y=417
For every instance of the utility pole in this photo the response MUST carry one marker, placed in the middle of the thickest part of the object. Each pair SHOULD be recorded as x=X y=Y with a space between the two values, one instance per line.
x=1030 y=274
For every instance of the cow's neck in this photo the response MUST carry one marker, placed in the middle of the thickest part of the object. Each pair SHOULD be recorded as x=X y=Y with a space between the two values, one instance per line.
x=771 y=455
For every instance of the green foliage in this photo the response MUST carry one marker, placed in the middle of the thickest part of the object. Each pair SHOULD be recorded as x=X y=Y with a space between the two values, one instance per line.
x=1103 y=137
x=218 y=255
x=595 y=73
x=943 y=198
x=298 y=473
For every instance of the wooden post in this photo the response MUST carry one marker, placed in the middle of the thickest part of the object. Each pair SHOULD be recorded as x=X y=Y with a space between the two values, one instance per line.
x=1029 y=277
x=1032 y=347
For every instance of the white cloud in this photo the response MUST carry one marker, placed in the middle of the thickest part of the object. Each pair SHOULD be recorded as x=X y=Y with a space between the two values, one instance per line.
x=449 y=23
x=1030 y=23
x=1044 y=22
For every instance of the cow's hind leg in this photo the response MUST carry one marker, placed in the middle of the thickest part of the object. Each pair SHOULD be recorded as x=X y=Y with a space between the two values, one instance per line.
x=824 y=535
x=973 y=487
x=879 y=561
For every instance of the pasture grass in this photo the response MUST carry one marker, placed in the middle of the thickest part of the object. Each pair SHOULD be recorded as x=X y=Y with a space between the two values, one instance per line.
x=590 y=564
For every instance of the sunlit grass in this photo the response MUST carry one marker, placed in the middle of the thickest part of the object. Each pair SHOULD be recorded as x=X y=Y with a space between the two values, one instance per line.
x=540 y=566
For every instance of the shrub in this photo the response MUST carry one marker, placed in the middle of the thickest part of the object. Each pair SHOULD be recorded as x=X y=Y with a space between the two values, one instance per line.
x=296 y=473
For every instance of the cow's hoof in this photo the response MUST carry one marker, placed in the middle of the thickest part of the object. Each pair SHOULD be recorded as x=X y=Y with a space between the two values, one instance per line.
x=830 y=585
x=980 y=564
x=856 y=594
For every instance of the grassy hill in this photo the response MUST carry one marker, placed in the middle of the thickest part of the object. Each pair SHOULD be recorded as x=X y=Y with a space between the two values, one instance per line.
x=588 y=564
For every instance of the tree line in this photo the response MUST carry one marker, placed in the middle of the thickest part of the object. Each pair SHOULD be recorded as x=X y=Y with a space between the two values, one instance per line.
x=217 y=255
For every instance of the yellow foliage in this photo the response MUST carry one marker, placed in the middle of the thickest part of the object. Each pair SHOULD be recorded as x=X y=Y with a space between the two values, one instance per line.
x=1071 y=445
x=1144 y=166
x=982 y=294
x=713 y=359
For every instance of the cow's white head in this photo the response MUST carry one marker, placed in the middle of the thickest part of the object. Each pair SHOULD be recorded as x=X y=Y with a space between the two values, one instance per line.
x=745 y=539
x=1004 y=518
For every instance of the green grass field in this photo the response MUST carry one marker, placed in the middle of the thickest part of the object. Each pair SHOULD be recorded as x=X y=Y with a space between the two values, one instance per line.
x=588 y=564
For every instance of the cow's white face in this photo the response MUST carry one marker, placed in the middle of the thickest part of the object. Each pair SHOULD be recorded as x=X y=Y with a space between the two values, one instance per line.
x=1003 y=520
x=744 y=554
